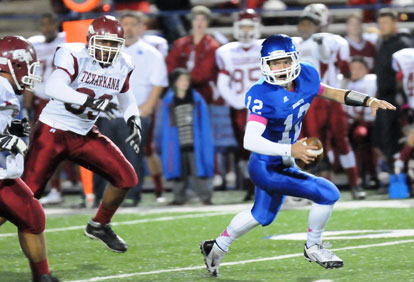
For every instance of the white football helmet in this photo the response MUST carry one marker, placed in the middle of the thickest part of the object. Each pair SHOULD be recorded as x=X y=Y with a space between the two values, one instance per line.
x=247 y=17
x=318 y=13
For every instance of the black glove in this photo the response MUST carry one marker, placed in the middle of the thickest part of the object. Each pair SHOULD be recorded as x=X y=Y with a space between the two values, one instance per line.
x=102 y=105
x=12 y=144
x=134 y=139
x=20 y=128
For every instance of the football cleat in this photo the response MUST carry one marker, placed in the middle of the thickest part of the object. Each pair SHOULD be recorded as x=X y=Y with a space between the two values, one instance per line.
x=358 y=193
x=212 y=256
x=321 y=255
x=95 y=230
x=53 y=198
x=47 y=278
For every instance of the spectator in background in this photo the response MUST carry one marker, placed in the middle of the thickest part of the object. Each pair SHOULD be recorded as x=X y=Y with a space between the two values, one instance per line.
x=187 y=140
x=196 y=53
x=45 y=46
x=358 y=44
x=387 y=129
x=239 y=69
x=361 y=122
x=174 y=25
x=147 y=83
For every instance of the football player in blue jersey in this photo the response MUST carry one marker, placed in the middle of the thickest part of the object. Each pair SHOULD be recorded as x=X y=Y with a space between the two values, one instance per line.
x=277 y=103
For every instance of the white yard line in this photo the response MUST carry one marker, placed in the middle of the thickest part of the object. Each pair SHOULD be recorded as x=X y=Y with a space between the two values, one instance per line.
x=408 y=203
x=235 y=262
x=129 y=222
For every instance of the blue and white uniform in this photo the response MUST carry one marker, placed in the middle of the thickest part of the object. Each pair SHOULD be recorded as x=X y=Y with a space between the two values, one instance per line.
x=282 y=112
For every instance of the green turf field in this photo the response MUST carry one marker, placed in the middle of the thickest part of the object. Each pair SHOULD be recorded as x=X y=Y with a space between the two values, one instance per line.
x=164 y=247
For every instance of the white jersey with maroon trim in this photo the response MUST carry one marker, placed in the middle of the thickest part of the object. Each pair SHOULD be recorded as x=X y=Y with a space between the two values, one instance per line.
x=158 y=42
x=88 y=77
x=242 y=65
x=338 y=60
x=9 y=104
x=45 y=51
x=309 y=51
x=403 y=63
x=367 y=85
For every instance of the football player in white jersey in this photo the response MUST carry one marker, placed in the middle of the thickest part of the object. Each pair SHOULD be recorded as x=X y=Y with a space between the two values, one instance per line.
x=239 y=68
x=403 y=65
x=45 y=46
x=18 y=64
x=147 y=85
x=85 y=80
x=329 y=53
x=360 y=121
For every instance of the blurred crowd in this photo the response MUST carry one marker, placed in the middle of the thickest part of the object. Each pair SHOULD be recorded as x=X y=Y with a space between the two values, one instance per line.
x=189 y=86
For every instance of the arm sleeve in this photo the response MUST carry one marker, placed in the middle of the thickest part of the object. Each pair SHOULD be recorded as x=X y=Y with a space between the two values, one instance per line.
x=128 y=104
x=58 y=88
x=255 y=142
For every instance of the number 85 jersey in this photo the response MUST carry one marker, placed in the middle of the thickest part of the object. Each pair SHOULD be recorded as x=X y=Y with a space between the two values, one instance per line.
x=282 y=110
x=88 y=77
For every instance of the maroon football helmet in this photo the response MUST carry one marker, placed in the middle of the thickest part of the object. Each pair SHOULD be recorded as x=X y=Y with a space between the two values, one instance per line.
x=18 y=58
x=104 y=29
x=247 y=17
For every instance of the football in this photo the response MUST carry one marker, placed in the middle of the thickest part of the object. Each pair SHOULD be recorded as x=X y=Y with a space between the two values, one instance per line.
x=313 y=141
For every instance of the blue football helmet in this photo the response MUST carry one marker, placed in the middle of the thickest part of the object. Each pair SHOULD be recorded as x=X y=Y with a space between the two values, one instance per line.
x=279 y=46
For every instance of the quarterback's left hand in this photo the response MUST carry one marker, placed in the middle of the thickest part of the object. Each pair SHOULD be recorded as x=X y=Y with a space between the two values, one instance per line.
x=20 y=128
x=134 y=139
x=376 y=104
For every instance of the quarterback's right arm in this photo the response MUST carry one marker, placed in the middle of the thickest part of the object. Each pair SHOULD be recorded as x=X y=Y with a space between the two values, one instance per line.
x=255 y=142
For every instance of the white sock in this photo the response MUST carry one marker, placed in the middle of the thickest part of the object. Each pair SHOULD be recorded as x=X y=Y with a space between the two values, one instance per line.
x=317 y=220
x=240 y=224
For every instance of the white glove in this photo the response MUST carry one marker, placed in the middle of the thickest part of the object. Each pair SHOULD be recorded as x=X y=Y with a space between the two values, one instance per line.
x=13 y=144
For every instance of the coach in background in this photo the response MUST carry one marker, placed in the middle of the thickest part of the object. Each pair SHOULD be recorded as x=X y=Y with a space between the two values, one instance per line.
x=387 y=127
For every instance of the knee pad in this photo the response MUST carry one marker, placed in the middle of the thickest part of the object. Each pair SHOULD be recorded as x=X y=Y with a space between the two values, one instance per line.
x=35 y=222
x=329 y=193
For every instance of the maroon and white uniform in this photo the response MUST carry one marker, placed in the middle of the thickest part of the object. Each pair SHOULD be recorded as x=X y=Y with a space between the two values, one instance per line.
x=361 y=124
x=239 y=69
x=338 y=61
x=45 y=51
x=403 y=64
x=313 y=53
x=66 y=128
x=365 y=49
x=17 y=203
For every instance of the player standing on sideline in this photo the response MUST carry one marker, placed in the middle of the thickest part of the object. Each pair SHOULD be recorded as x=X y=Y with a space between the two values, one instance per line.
x=18 y=64
x=85 y=80
x=238 y=70
x=277 y=104
x=403 y=65
x=329 y=54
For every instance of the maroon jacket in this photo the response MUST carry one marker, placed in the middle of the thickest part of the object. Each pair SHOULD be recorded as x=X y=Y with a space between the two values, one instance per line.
x=205 y=69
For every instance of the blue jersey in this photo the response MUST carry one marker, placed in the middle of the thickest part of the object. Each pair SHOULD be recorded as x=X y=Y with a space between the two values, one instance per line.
x=283 y=109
